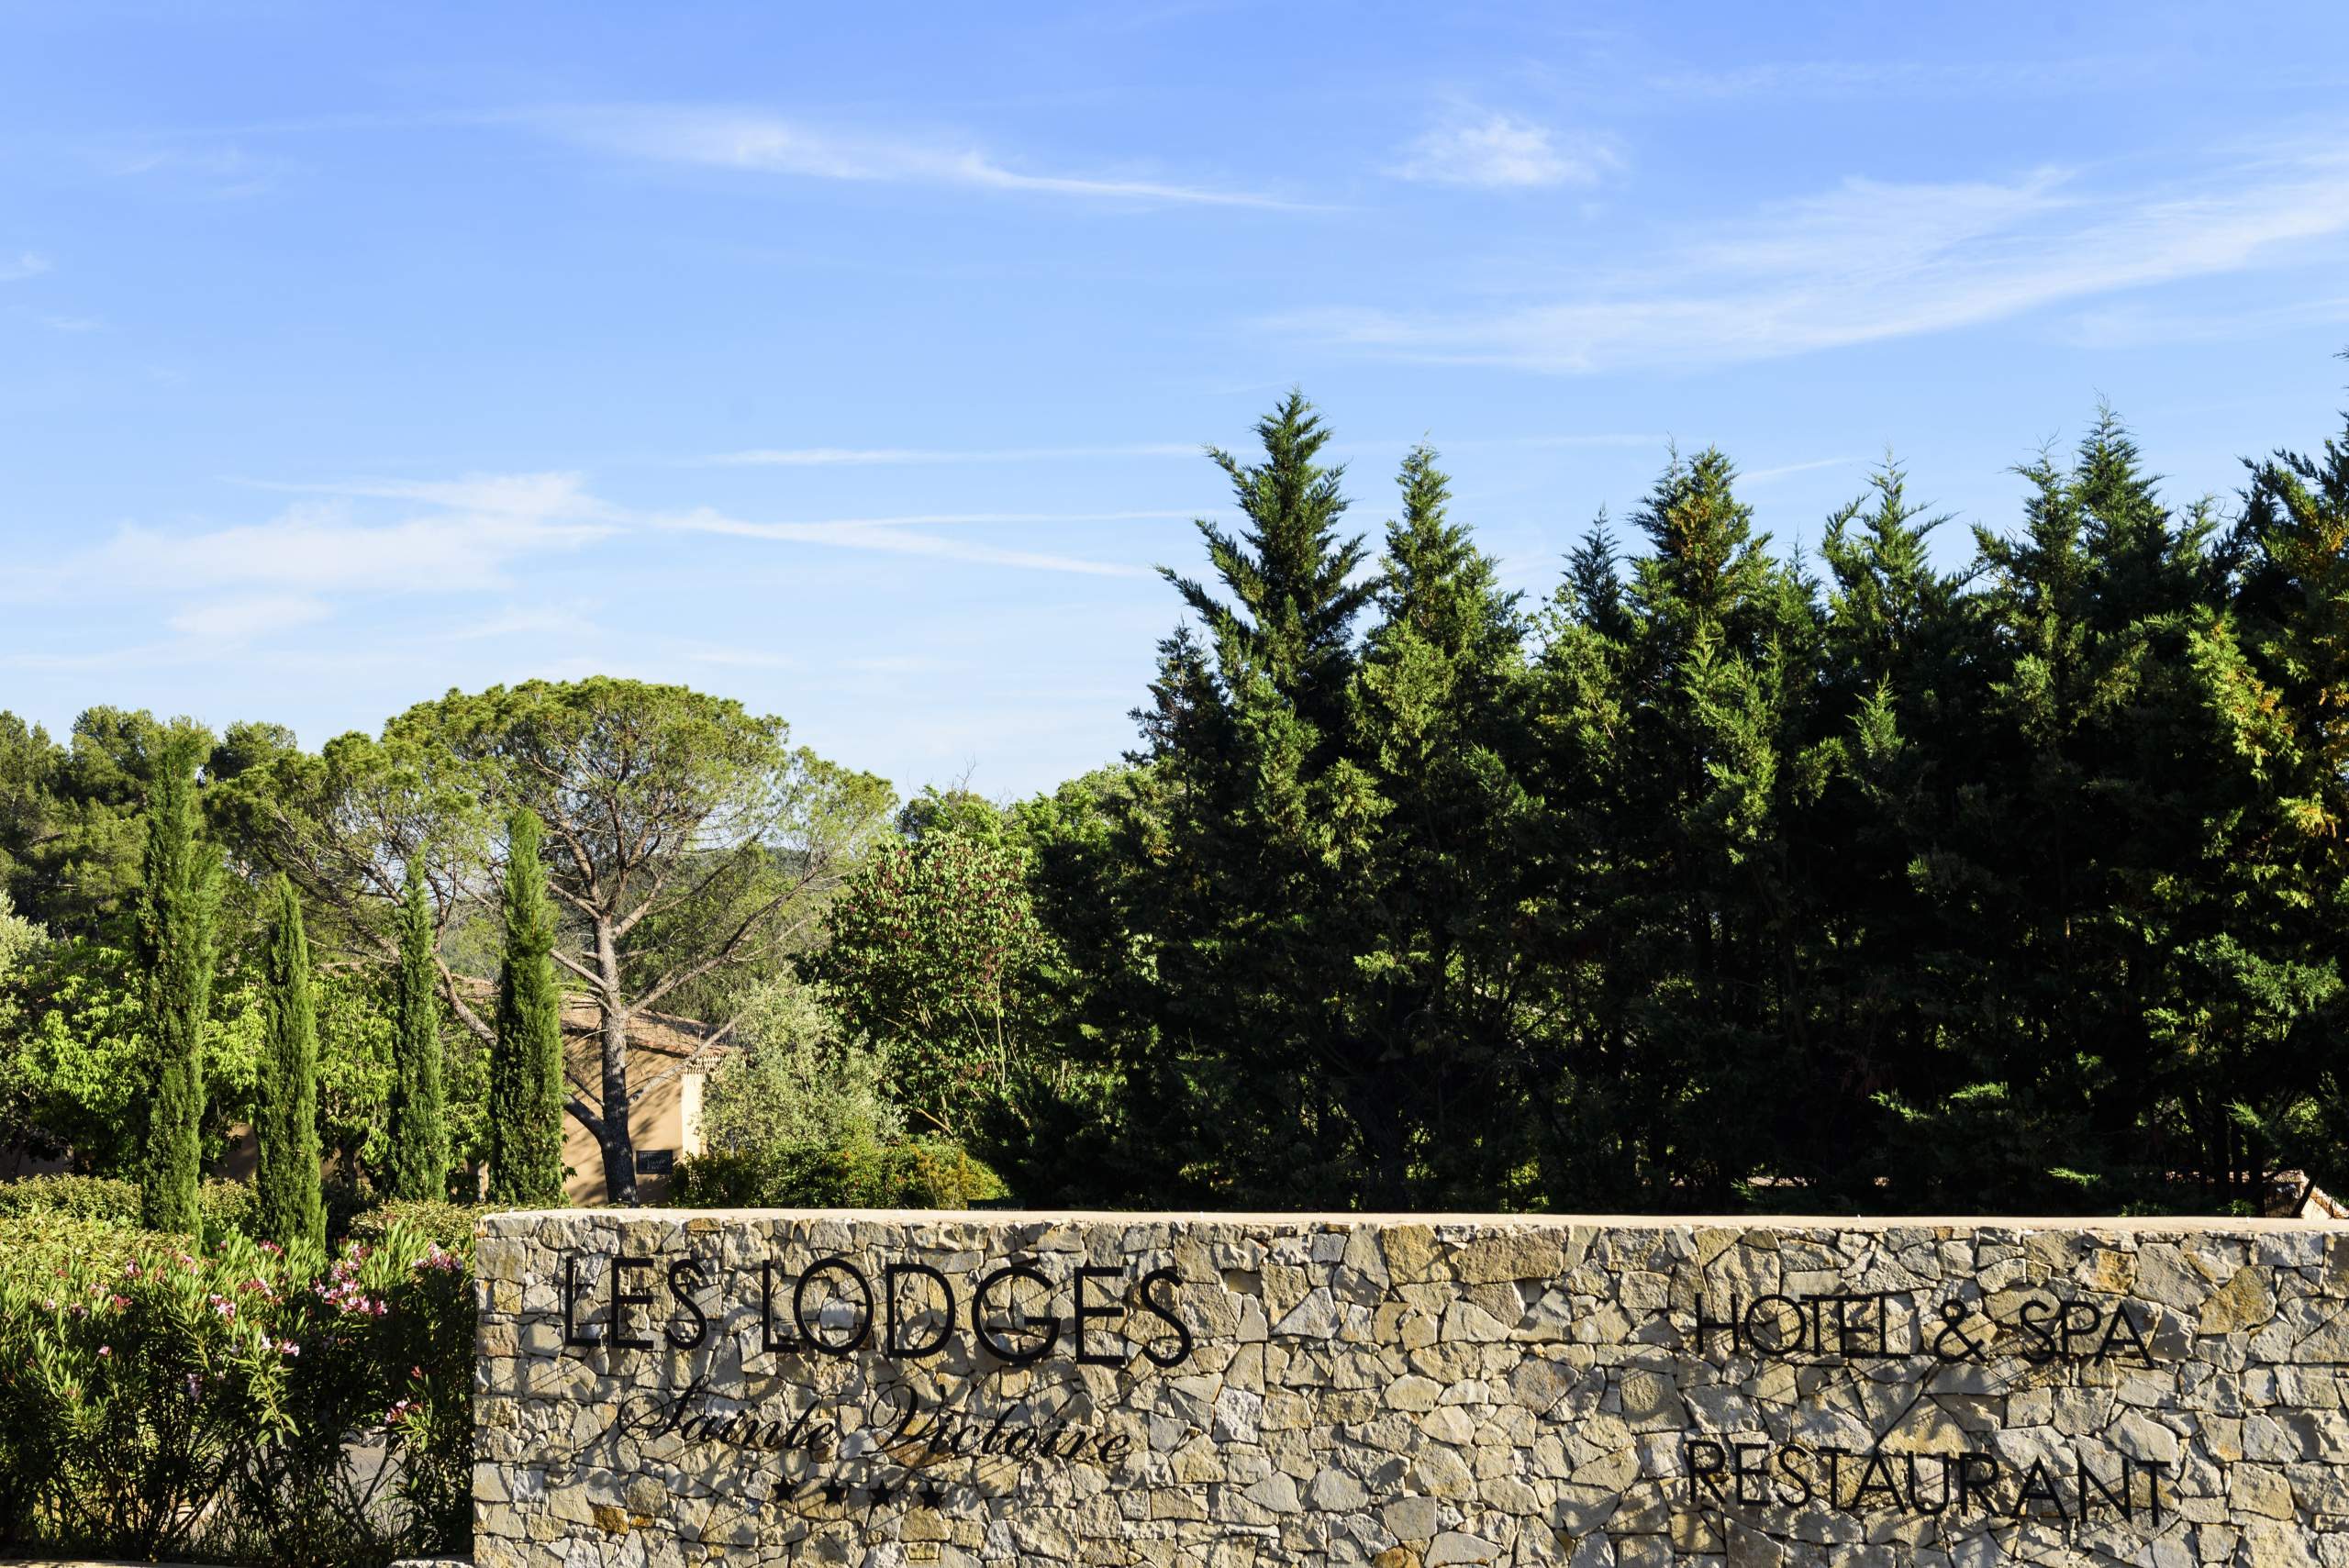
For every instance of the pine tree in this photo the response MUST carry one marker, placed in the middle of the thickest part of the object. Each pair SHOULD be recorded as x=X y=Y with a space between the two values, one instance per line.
x=1425 y=933
x=1252 y=821
x=291 y=1209
x=178 y=895
x=419 y=1160
x=1288 y=571
x=526 y=1063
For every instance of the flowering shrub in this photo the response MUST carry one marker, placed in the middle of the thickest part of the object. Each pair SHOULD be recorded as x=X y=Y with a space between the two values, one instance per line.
x=155 y=1400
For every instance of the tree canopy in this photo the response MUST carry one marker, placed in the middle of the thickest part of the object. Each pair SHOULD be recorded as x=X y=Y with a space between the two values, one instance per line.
x=1930 y=868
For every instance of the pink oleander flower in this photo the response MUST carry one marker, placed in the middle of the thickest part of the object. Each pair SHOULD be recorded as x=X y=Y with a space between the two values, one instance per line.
x=120 y=1302
x=287 y=1347
x=105 y=1349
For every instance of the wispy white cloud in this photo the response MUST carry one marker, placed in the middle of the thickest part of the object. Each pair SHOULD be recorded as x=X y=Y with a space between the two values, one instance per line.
x=760 y=142
x=1813 y=79
x=886 y=536
x=196 y=165
x=1497 y=150
x=242 y=621
x=466 y=534
x=24 y=264
x=1762 y=475
x=1869 y=261
x=241 y=589
x=956 y=520
x=2132 y=324
x=525 y=621
x=913 y=457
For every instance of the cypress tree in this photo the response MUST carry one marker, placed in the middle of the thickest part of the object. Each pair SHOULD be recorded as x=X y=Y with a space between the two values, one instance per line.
x=419 y=1152
x=526 y=1061
x=291 y=1209
x=178 y=884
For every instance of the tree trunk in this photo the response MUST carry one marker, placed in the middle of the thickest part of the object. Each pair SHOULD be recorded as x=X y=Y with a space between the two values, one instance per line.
x=618 y=1140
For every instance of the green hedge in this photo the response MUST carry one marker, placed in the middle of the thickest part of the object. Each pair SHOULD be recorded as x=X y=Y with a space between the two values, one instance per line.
x=914 y=1172
x=74 y=1197
x=228 y=1208
x=448 y=1224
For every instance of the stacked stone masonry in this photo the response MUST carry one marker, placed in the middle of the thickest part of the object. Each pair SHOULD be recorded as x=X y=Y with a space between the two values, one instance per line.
x=669 y=1387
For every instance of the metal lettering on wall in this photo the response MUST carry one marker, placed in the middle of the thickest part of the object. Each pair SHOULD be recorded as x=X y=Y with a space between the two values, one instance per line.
x=836 y=1308
x=905 y=1437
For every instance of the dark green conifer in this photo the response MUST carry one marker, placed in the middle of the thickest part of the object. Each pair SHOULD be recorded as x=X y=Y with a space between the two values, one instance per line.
x=1290 y=577
x=172 y=947
x=291 y=1210
x=526 y=1061
x=419 y=1160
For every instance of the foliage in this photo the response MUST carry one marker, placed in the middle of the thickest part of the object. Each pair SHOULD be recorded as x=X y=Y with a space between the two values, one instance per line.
x=801 y=1116
x=930 y=952
x=1917 y=870
x=526 y=1084
x=290 y=1208
x=689 y=843
x=1710 y=883
x=798 y=1081
x=174 y=946
x=418 y=1160
x=105 y=1199
x=157 y=1400
x=864 y=1172
x=445 y=1225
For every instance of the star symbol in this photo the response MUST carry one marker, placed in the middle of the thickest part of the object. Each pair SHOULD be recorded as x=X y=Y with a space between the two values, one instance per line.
x=880 y=1494
x=932 y=1495
x=834 y=1492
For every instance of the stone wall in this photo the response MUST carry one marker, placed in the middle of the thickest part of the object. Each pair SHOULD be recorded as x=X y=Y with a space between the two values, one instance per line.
x=1409 y=1392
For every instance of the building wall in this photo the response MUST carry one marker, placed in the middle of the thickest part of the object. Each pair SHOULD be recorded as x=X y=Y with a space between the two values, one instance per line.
x=1407 y=1393
x=657 y=1123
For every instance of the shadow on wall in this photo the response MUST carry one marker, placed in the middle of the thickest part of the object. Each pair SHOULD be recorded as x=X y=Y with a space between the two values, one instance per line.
x=668 y=1061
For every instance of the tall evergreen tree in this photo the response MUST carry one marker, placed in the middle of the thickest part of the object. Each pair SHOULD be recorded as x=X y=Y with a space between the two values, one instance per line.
x=1250 y=820
x=1427 y=930
x=419 y=1160
x=292 y=1211
x=1294 y=596
x=526 y=1099
x=179 y=876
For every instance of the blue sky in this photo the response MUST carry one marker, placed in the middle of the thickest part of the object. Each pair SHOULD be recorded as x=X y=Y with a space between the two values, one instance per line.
x=854 y=362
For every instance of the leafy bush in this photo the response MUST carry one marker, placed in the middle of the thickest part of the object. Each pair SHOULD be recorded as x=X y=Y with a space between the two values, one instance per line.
x=799 y=1119
x=919 y=1173
x=107 y=1199
x=155 y=1400
x=226 y=1207
x=914 y=1172
x=448 y=1225
x=799 y=1081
